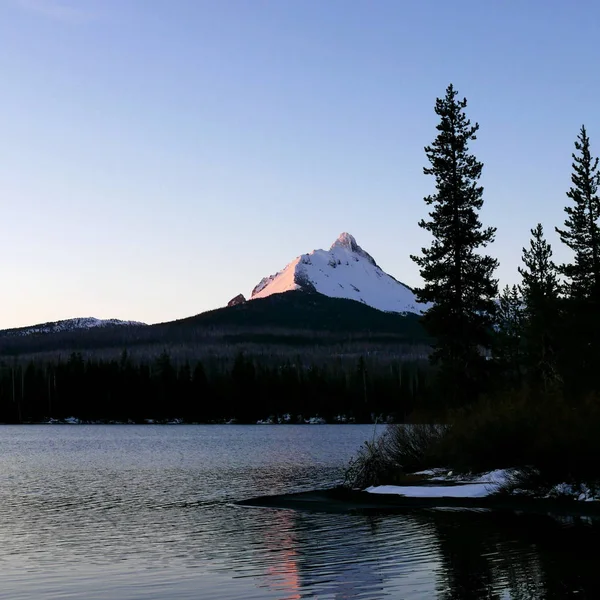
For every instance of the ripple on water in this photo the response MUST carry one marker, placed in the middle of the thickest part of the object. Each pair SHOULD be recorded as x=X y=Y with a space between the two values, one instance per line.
x=146 y=512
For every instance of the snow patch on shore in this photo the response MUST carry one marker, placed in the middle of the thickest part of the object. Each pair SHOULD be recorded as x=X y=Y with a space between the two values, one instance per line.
x=580 y=492
x=426 y=491
x=484 y=485
x=450 y=485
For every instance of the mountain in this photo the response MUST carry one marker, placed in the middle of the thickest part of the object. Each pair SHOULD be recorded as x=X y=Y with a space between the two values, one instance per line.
x=343 y=271
x=66 y=325
x=337 y=301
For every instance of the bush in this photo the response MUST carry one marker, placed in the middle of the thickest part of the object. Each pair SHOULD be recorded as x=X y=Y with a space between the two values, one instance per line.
x=558 y=441
x=401 y=449
x=491 y=435
x=548 y=440
x=370 y=466
x=415 y=447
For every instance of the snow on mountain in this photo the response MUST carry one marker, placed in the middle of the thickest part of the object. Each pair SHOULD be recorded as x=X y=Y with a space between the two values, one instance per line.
x=343 y=271
x=67 y=325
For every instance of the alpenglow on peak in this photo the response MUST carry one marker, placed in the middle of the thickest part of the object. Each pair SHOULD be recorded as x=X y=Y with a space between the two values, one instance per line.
x=343 y=271
x=348 y=242
x=345 y=240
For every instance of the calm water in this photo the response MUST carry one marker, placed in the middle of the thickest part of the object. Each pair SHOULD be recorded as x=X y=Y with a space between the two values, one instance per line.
x=144 y=512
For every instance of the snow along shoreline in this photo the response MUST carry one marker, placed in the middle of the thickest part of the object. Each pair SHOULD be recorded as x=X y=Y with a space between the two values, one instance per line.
x=443 y=484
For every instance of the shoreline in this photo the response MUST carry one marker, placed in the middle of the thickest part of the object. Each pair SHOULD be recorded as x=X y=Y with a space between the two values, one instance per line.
x=344 y=500
x=77 y=421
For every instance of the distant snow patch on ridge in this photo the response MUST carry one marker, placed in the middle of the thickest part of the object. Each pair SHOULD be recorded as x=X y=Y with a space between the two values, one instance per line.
x=68 y=325
x=343 y=271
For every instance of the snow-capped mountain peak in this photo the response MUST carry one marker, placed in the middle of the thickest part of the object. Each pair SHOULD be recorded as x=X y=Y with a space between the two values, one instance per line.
x=343 y=271
x=347 y=242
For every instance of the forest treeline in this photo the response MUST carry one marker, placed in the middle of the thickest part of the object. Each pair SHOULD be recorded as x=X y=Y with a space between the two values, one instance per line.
x=213 y=391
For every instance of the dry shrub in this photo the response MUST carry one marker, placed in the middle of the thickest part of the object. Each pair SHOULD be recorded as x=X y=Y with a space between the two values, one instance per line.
x=369 y=467
x=399 y=450
x=547 y=435
x=415 y=447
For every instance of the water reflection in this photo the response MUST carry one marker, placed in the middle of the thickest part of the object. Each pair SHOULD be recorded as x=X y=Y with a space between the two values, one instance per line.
x=283 y=575
x=526 y=556
x=448 y=555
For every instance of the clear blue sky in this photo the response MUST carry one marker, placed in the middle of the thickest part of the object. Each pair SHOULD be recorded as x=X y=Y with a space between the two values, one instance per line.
x=158 y=157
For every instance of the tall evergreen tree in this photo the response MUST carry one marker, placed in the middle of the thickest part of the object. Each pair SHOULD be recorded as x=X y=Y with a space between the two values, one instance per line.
x=458 y=277
x=540 y=290
x=581 y=232
x=540 y=282
x=508 y=345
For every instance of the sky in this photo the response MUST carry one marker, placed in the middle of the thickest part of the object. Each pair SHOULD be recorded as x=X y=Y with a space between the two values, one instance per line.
x=159 y=157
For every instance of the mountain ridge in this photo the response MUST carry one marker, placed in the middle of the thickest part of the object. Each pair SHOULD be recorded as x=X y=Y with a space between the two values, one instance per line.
x=281 y=322
x=73 y=324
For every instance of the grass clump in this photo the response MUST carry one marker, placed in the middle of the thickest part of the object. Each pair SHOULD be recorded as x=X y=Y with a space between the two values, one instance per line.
x=370 y=466
x=400 y=450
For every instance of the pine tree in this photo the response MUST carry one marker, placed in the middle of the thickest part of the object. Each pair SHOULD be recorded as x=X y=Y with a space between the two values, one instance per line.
x=540 y=281
x=458 y=277
x=508 y=345
x=581 y=232
x=540 y=290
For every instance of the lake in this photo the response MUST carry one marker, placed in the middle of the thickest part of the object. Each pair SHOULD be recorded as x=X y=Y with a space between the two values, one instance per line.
x=145 y=512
